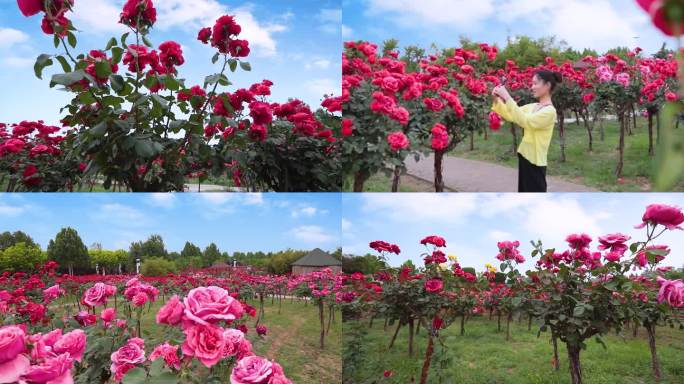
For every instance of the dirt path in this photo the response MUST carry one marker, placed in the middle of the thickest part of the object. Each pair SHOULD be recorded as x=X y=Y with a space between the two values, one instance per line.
x=465 y=175
x=288 y=334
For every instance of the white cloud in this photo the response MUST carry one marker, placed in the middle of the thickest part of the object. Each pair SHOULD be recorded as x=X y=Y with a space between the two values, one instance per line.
x=346 y=31
x=497 y=235
x=322 y=86
x=95 y=16
x=306 y=211
x=418 y=206
x=346 y=224
x=253 y=198
x=433 y=12
x=164 y=200
x=11 y=210
x=18 y=62
x=119 y=214
x=103 y=16
x=311 y=234
x=330 y=19
x=10 y=36
x=216 y=198
x=318 y=64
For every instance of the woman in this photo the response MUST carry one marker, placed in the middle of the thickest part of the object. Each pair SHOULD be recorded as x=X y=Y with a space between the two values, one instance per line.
x=537 y=121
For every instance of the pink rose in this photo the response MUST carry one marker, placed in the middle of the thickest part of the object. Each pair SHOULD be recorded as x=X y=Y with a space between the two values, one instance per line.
x=233 y=339
x=73 y=342
x=642 y=256
x=54 y=370
x=252 y=370
x=615 y=242
x=397 y=140
x=30 y=7
x=12 y=362
x=139 y=299
x=126 y=357
x=52 y=293
x=95 y=295
x=107 y=315
x=205 y=342
x=84 y=318
x=168 y=353
x=666 y=215
x=172 y=312
x=434 y=285
x=671 y=291
x=208 y=305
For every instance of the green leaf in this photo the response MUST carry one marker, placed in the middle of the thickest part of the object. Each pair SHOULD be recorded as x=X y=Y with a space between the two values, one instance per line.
x=171 y=83
x=135 y=376
x=160 y=100
x=103 y=69
x=110 y=44
x=215 y=58
x=123 y=39
x=147 y=41
x=71 y=38
x=100 y=129
x=245 y=66
x=117 y=82
x=163 y=378
x=86 y=98
x=41 y=62
x=117 y=54
x=232 y=63
x=64 y=63
x=55 y=40
x=578 y=311
x=67 y=79
x=144 y=148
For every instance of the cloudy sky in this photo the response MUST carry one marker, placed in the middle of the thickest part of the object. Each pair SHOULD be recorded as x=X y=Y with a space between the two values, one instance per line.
x=472 y=224
x=235 y=222
x=295 y=44
x=598 y=24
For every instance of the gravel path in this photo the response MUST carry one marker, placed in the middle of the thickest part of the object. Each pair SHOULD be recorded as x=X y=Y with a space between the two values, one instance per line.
x=465 y=175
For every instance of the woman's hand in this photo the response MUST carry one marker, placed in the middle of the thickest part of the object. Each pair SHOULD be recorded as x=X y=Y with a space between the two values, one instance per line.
x=502 y=92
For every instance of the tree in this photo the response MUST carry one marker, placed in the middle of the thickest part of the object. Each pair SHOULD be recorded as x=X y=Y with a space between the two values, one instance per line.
x=190 y=250
x=20 y=257
x=68 y=250
x=108 y=260
x=152 y=247
x=210 y=255
x=8 y=239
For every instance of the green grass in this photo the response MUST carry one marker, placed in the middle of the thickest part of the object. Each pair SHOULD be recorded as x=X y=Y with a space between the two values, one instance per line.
x=483 y=355
x=292 y=339
x=595 y=169
x=381 y=182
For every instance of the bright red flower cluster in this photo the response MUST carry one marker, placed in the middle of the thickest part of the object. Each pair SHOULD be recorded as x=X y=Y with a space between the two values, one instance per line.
x=54 y=20
x=138 y=14
x=223 y=37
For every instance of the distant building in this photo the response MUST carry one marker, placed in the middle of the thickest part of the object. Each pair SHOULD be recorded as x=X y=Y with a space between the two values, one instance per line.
x=315 y=261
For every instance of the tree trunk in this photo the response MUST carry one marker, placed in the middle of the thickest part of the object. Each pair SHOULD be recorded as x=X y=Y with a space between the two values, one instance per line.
x=394 y=337
x=577 y=119
x=320 y=315
x=463 y=324
x=330 y=319
x=508 y=326
x=556 y=361
x=602 y=130
x=621 y=147
x=396 y=179
x=384 y=327
x=529 y=323
x=575 y=367
x=370 y=323
x=561 y=134
x=359 y=180
x=428 y=357
x=439 y=181
x=472 y=140
x=650 y=135
x=655 y=364
x=490 y=313
x=410 y=341
x=635 y=330
x=657 y=128
x=590 y=129
x=498 y=314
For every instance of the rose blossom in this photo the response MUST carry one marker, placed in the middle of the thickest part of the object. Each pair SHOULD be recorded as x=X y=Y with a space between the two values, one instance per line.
x=171 y=313
x=434 y=285
x=13 y=363
x=397 y=140
x=73 y=342
x=615 y=242
x=671 y=291
x=168 y=353
x=669 y=216
x=52 y=293
x=251 y=370
x=53 y=370
x=95 y=295
x=205 y=342
x=208 y=305
x=107 y=315
x=126 y=357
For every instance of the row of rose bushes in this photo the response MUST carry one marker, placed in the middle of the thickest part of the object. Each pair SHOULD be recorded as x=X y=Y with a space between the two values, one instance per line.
x=134 y=123
x=576 y=294
x=86 y=329
x=399 y=107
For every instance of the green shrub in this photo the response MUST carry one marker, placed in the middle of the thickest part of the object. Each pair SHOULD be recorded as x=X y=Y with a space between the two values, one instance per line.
x=21 y=258
x=157 y=266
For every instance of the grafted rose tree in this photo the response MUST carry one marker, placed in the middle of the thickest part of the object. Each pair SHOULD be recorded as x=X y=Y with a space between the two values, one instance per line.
x=585 y=290
x=135 y=122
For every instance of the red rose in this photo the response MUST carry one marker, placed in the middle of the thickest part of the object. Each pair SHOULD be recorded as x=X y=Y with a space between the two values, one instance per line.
x=440 y=137
x=30 y=7
x=434 y=285
x=204 y=35
x=397 y=141
x=661 y=12
x=347 y=127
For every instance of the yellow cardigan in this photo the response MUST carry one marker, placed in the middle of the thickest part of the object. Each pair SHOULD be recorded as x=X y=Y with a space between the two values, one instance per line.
x=537 y=128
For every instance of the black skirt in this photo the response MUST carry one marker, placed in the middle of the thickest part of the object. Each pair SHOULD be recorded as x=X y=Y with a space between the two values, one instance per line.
x=531 y=178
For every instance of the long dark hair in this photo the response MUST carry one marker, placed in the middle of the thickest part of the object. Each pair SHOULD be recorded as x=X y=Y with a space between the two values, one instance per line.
x=552 y=77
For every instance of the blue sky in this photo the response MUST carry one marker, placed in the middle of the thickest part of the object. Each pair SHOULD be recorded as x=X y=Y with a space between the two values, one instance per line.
x=295 y=44
x=235 y=222
x=598 y=24
x=473 y=223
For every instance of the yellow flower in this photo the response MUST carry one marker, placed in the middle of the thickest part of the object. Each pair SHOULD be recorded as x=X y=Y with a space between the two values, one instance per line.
x=452 y=257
